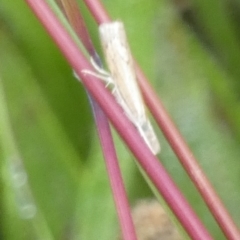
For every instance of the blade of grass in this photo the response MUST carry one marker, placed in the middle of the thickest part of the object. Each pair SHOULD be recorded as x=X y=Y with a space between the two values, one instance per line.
x=15 y=179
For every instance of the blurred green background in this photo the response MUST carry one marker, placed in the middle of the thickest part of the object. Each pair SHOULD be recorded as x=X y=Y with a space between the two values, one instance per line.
x=189 y=49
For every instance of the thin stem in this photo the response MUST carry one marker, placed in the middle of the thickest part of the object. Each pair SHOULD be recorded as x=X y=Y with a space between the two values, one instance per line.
x=147 y=160
x=72 y=12
x=74 y=16
x=114 y=174
x=189 y=161
x=177 y=142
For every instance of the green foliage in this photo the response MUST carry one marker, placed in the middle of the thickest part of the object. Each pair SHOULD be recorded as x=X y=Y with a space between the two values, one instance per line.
x=191 y=55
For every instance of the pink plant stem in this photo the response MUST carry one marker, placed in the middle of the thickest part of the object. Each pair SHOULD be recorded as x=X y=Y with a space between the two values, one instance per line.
x=177 y=142
x=147 y=160
x=189 y=161
x=71 y=9
x=114 y=174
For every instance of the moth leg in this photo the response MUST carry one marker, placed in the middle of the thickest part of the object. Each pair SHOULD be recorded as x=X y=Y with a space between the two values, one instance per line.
x=106 y=79
x=100 y=73
x=104 y=75
x=98 y=68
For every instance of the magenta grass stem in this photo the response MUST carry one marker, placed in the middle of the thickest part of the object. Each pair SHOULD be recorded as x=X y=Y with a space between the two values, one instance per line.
x=190 y=163
x=177 y=142
x=72 y=11
x=147 y=160
x=114 y=173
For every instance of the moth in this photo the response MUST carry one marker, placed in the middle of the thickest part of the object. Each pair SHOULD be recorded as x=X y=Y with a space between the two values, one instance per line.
x=124 y=80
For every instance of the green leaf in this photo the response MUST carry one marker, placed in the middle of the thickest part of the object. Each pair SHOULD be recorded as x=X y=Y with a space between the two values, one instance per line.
x=49 y=123
x=37 y=137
